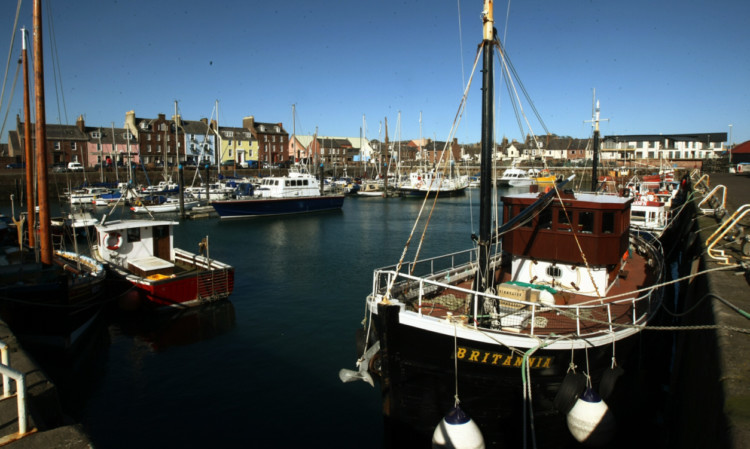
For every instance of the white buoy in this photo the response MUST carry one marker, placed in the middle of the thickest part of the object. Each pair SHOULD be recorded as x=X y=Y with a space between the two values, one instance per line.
x=590 y=420
x=457 y=431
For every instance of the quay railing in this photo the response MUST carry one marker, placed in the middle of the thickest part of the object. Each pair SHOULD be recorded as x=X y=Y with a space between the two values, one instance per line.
x=9 y=373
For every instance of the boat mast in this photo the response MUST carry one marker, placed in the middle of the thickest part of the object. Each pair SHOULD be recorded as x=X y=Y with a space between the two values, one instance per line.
x=595 y=156
x=386 y=157
x=45 y=238
x=30 y=210
x=485 y=177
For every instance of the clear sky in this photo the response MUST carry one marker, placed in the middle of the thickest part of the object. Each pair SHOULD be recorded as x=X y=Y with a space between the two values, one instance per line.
x=658 y=66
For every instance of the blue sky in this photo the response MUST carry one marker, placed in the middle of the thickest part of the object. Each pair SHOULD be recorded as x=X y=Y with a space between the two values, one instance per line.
x=663 y=66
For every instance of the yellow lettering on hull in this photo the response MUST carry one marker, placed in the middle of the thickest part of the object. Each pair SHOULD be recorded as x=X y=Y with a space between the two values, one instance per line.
x=500 y=359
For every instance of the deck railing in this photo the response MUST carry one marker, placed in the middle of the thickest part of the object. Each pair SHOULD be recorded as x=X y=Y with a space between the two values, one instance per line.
x=443 y=273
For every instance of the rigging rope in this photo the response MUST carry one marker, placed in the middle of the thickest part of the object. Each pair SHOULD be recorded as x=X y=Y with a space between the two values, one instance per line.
x=7 y=64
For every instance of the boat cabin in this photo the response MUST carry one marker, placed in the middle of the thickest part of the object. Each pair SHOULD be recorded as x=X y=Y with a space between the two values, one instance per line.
x=572 y=232
x=143 y=247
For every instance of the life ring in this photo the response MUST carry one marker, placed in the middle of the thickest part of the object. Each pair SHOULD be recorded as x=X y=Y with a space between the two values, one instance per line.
x=117 y=241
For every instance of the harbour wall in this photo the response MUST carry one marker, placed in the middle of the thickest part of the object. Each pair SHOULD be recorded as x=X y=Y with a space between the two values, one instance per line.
x=708 y=404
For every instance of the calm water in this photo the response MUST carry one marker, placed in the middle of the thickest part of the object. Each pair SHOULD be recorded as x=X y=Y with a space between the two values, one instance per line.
x=262 y=369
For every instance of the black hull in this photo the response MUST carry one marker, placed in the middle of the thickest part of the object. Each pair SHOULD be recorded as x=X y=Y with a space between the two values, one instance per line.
x=415 y=369
x=49 y=306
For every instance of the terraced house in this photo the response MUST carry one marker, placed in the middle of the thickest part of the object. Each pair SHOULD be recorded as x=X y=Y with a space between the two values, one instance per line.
x=273 y=140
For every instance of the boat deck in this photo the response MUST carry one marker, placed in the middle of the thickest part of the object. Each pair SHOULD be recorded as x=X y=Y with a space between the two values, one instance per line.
x=563 y=312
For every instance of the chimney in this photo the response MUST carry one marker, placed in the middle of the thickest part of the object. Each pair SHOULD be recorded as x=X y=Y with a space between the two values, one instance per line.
x=130 y=123
x=248 y=122
x=80 y=124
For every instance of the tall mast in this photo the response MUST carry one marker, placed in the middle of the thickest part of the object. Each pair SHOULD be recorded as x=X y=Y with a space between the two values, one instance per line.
x=45 y=237
x=114 y=154
x=485 y=177
x=30 y=210
x=595 y=156
x=386 y=157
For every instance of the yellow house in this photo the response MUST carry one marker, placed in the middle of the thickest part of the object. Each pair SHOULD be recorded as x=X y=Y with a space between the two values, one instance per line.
x=237 y=146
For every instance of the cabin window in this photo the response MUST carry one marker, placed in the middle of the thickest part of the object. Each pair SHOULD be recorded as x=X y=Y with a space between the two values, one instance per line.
x=287 y=183
x=586 y=222
x=304 y=182
x=554 y=271
x=563 y=223
x=545 y=219
x=528 y=222
x=134 y=235
x=608 y=223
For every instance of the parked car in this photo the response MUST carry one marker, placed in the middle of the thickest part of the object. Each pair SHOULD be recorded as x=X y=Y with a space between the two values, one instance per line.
x=60 y=167
x=16 y=165
x=229 y=163
x=75 y=166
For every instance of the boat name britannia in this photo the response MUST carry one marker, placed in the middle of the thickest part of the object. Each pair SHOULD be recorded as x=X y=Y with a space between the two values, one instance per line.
x=499 y=359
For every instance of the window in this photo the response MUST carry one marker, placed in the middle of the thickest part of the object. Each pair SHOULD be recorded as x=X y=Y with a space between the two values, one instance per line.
x=96 y=134
x=563 y=223
x=149 y=148
x=608 y=223
x=134 y=235
x=73 y=146
x=158 y=137
x=545 y=219
x=148 y=136
x=57 y=146
x=528 y=222
x=586 y=222
x=553 y=271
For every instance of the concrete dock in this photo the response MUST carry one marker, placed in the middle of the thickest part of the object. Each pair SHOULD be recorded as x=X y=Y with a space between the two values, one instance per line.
x=709 y=399
x=47 y=425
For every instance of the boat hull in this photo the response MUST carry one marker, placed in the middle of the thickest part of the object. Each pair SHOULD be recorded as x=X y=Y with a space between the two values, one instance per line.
x=186 y=290
x=421 y=193
x=416 y=373
x=244 y=208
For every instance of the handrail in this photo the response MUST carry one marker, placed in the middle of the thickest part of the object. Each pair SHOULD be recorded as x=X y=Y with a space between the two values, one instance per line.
x=534 y=307
x=721 y=231
x=8 y=372
x=710 y=196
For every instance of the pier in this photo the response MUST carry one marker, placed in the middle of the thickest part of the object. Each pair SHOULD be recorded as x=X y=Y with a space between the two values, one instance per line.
x=44 y=424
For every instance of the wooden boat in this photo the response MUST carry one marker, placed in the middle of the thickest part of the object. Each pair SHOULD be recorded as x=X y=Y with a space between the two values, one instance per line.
x=54 y=299
x=142 y=252
x=520 y=336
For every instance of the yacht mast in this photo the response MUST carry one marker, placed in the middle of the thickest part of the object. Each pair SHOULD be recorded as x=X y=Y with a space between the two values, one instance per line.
x=30 y=210
x=45 y=236
x=485 y=179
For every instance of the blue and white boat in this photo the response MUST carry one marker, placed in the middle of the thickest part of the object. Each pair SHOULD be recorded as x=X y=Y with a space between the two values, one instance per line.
x=297 y=192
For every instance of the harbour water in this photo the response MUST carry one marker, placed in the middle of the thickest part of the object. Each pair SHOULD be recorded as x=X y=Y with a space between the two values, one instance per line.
x=260 y=370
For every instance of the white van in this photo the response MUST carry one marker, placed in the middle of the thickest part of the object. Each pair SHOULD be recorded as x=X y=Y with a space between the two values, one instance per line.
x=75 y=166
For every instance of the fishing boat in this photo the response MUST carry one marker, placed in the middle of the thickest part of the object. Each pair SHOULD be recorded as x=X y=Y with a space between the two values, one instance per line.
x=47 y=297
x=522 y=337
x=296 y=192
x=142 y=252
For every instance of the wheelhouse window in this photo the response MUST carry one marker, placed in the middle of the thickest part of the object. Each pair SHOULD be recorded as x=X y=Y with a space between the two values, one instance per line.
x=608 y=223
x=563 y=222
x=586 y=222
x=545 y=219
x=134 y=235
